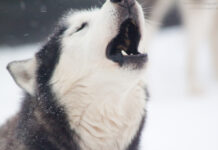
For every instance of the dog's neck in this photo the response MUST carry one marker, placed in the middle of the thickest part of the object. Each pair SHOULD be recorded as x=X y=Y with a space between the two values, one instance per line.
x=103 y=116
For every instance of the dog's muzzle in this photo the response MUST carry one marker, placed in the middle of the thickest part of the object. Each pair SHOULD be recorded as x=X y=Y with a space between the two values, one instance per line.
x=123 y=49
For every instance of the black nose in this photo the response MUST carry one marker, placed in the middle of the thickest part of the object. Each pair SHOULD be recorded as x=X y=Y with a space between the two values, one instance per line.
x=123 y=1
x=116 y=1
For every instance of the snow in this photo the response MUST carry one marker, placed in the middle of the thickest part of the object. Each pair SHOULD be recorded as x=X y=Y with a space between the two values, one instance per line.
x=176 y=120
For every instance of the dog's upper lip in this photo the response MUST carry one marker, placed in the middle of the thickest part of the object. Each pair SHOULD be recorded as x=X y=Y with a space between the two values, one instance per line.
x=123 y=49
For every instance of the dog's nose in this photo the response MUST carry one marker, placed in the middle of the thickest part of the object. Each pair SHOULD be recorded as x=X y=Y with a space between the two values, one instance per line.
x=116 y=1
x=124 y=1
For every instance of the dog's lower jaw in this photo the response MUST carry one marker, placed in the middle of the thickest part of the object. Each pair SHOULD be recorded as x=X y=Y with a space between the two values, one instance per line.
x=104 y=122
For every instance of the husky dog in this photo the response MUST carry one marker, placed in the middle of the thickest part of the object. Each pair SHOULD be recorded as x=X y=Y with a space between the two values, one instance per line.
x=200 y=19
x=84 y=88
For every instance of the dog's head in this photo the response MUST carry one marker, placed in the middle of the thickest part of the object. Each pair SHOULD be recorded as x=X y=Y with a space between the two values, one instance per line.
x=96 y=47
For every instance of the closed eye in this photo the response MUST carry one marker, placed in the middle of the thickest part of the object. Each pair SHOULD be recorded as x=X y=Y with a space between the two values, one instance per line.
x=82 y=27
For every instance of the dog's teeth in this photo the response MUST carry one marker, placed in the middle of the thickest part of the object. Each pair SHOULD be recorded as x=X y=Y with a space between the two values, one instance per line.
x=124 y=53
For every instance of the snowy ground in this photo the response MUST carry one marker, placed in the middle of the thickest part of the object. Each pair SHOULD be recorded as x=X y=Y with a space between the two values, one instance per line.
x=176 y=120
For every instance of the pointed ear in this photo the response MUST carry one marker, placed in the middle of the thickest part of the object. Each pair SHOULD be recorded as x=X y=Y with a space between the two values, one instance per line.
x=23 y=73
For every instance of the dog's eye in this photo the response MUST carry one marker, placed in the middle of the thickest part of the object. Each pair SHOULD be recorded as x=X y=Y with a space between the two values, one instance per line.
x=81 y=27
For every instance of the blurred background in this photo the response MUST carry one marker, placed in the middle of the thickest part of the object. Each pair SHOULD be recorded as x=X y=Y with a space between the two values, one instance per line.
x=182 y=43
x=24 y=21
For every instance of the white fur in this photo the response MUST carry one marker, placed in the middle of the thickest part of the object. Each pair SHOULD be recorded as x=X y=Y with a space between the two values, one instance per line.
x=104 y=103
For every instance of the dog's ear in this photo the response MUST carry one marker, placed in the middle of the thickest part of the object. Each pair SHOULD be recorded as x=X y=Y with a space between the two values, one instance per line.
x=23 y=73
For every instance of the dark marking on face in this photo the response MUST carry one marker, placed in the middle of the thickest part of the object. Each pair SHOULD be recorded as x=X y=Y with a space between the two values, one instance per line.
x=43 y=124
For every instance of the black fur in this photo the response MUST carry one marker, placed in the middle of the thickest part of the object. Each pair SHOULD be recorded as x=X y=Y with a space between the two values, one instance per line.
x=135 y=142
x=44 y=124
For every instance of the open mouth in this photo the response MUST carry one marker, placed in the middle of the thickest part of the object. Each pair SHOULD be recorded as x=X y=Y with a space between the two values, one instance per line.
x=123 y=49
